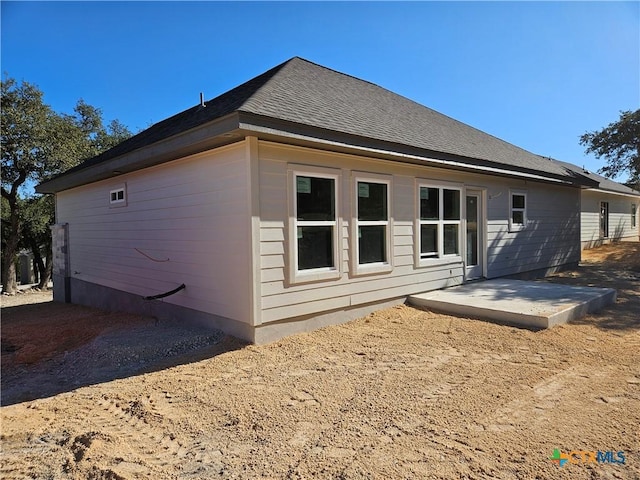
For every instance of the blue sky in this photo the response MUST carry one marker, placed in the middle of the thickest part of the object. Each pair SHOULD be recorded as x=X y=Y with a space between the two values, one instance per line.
x=534 y=74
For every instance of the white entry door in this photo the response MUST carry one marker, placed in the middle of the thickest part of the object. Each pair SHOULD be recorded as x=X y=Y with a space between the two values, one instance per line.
x=474 y=235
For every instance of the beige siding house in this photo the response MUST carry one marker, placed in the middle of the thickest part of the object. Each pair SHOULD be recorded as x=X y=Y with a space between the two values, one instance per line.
x=608 y=212
x=302 y=198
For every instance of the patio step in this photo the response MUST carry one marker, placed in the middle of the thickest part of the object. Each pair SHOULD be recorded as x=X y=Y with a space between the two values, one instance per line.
x=517 y=302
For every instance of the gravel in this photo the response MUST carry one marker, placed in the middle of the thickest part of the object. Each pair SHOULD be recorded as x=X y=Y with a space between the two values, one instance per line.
x=117 y=353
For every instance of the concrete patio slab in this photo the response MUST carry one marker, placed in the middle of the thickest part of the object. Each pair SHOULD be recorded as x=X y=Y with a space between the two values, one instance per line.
x=517 y=302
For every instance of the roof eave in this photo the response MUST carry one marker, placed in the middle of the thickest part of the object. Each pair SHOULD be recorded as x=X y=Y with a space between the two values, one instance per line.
x=232 y=127
x=210 y=135
x=305 y=135
x=613 y=192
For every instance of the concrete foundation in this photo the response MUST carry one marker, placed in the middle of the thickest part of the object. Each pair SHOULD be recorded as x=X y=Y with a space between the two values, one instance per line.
x=88 y=294
x=110 y=299
x=273 y=331
x=516 y=302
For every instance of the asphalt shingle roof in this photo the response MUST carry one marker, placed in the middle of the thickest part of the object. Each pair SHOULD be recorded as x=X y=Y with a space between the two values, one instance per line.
x=308 y=94
x=604 y=182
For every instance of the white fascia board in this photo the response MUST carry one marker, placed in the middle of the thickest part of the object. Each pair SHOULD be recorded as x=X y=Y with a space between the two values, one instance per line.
x=195 y=140
x=611 y=192
x=377 y=151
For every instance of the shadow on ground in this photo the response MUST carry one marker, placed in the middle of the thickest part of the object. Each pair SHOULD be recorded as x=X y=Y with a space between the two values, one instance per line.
x=623 y=315
x=51 y=348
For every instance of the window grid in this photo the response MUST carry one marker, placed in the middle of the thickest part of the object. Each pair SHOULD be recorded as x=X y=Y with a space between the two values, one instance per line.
x=368 y=220
x=439 y=222
x=315 y=227
x=518 y=208
x=117 y=196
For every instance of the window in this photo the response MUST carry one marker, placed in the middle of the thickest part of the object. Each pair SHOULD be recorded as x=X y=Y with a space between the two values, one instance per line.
x=315 y=227
x=439 y=222
x=518 y=218
x=633 y=215
x=371 y=225
x=117 y=197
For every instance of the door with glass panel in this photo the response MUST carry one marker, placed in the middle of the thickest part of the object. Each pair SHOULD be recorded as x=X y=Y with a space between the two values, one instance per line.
x=474 y=240
x=604 y=219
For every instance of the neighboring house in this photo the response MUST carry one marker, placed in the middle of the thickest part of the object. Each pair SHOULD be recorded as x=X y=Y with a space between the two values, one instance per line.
x=608 y=212
x=302 y=198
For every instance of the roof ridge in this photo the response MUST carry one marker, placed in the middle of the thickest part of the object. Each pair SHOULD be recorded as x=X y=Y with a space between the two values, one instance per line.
x=269 y=74
x=324 y=67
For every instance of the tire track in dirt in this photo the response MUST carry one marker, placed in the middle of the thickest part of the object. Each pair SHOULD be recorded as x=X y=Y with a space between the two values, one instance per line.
x=14 y=460
x=544 y=398
x=132 y=438
x=390 y=432
x=394 y=395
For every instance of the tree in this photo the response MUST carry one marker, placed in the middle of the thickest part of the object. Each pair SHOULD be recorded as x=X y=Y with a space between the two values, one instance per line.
x=36 y=144
x=38 y=213
x=619 y=144
x=24 y=143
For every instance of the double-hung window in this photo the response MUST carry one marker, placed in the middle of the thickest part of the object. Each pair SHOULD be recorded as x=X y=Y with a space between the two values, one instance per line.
x=371 y=225
x=633 y=215
x=439 y=222
x=518 y=207
x=315 y=227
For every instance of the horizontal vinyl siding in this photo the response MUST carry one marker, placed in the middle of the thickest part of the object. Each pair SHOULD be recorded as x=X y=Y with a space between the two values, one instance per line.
x=551 y=236
x=185 y=221
x=619 y=217
x=281 y=300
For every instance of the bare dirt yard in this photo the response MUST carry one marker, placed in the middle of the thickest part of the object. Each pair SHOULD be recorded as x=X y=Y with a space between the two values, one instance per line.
x=400 y=394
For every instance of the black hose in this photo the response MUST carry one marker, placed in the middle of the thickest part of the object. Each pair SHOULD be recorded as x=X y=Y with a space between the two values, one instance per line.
x=162 y=295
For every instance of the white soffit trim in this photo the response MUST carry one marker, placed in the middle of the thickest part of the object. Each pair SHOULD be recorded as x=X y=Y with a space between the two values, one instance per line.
x=435 y=161
x=612 y=192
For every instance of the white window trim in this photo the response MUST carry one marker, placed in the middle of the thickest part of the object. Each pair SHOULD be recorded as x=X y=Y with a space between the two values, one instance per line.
x=441 y=258
x=378 y=267
x=517 y=227
x=118 y=202
x=317 y=274
x=634 y=215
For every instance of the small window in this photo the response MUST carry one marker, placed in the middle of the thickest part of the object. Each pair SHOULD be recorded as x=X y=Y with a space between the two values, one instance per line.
x=117 y=197
x=518 y=218
x=439 y=222
x=371 y=224
x=633 y=215
x=315 y=227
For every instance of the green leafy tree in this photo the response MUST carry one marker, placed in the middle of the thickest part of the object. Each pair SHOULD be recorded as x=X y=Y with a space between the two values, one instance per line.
x=619 y=144
x=38 y=143
x=38 y=213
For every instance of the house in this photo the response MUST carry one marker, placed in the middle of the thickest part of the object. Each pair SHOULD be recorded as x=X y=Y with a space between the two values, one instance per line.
x=608 y=212
x=301 y=198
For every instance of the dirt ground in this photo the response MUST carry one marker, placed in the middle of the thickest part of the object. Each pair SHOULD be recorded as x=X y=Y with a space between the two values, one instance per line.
x=400 y=394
